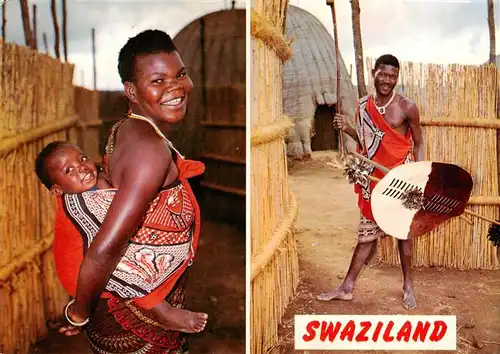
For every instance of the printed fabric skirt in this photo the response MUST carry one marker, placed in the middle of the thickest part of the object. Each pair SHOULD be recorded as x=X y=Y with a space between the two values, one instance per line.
x=118 y=326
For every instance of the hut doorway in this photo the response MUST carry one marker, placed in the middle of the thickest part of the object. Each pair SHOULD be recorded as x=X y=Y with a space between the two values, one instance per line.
x=325 y=137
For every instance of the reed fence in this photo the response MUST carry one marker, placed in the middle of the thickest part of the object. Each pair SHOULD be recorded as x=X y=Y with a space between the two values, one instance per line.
x=36 y=107
x=274 y=261
x=458 y=107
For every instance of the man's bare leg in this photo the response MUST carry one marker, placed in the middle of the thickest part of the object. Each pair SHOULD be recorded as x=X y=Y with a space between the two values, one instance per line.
x=359 y=258
x=179 y=319
x=372 y=254
x=405 y=248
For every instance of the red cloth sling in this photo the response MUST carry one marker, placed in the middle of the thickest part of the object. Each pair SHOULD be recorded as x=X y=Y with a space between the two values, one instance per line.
x=167 y=224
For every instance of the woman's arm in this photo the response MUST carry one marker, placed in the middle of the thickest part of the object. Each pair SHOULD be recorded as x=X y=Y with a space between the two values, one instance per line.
x=142 y=174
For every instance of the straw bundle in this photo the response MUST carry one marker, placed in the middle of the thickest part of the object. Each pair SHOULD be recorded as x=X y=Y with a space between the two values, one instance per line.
x=458 y=109
x=36 y=103
x=274 y=264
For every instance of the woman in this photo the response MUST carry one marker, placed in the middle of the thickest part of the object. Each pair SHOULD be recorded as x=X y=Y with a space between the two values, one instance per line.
x=139 y=162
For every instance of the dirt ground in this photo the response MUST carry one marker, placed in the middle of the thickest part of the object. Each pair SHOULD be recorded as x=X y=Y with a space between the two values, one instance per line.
x=216 y=285
x=326 y=228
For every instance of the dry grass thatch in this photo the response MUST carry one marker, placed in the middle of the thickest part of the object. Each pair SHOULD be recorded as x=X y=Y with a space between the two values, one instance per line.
x=458 y=107
x=310 y=76
x=274 y=260
x=36 y=103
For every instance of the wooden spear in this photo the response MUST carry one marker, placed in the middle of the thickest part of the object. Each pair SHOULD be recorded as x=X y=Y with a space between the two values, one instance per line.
x=331 y=3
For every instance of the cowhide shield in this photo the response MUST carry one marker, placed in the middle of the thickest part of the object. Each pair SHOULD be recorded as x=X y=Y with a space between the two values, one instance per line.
x=446 y=191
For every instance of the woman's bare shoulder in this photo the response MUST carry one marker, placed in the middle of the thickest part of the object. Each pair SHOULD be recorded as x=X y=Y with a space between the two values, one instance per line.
x=138 y=146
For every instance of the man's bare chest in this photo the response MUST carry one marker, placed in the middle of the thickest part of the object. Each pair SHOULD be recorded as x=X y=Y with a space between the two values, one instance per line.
x=396 y=118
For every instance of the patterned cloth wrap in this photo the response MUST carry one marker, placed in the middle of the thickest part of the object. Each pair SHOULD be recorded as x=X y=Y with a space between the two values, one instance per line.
x=156 y=256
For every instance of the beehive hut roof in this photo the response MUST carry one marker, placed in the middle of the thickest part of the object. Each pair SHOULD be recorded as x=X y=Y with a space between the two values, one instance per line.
x=221 y=65
x=312 y=69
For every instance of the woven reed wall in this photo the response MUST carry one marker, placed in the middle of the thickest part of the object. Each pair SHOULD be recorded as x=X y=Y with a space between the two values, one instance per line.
x=36 y=104
x=458 y=109
x=274 y=264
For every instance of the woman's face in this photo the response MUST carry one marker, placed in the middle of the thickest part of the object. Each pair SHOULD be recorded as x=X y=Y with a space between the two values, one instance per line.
x=161 y=86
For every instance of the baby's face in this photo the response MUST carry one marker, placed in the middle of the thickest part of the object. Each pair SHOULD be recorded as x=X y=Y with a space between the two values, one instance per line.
x=71 y=171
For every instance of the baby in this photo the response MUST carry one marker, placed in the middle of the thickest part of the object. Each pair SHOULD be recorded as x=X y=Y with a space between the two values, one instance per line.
x=150 y=265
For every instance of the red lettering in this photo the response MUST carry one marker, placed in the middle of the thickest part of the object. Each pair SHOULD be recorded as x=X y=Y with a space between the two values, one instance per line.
x=387 y=333
x=421 y=331
x=405 y=332
x=329 y=331
x=310 y=328
x=440 y=328
x=365 y=326
x=377 y=331
x=348 y=331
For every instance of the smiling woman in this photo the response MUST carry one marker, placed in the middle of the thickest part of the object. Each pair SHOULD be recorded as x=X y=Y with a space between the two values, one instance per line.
x=151 y=200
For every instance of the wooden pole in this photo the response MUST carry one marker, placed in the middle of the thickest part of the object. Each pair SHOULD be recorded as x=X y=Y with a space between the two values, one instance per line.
x=358 y=48
x=94 y=59
x=65 y=30
x=331 y=3
x=53 y=9
x=25 y=14
x=35 y=31
x=4 y=21
x=45 y=43
x=491 y=26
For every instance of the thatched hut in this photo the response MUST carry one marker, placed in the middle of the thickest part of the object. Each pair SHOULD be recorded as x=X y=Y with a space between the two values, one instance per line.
x=214 y=51
x=310 y=85
x=274 y=263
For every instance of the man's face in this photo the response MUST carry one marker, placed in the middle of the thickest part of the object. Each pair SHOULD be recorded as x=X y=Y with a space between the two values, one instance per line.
x=386 y=78
x=71 y=171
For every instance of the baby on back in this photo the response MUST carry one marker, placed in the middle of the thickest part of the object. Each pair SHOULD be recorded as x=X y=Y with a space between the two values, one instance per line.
x=157 y=254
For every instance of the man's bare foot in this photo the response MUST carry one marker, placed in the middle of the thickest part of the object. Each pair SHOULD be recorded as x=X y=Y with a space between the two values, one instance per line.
x=179 y=319
x=409 y=301
x=337 y=294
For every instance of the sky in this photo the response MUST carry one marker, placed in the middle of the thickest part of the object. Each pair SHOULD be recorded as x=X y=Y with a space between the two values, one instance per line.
x=432 y=31
x=114 y=22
